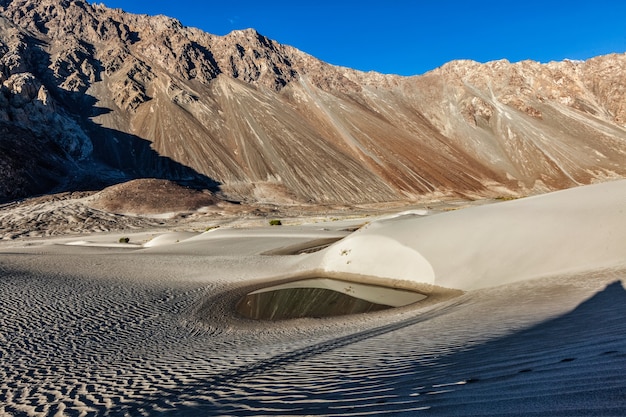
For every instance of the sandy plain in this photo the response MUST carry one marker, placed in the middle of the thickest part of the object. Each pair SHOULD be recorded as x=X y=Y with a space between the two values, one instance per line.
x=523 y=316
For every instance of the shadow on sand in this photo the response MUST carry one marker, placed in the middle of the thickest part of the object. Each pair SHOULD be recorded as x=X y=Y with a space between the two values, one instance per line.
x=570 y=365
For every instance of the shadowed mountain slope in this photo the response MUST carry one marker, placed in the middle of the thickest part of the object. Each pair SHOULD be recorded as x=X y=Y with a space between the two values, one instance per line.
x=270 y=123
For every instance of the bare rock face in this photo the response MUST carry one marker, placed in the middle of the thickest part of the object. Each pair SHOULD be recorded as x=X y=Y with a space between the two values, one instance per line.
x=540 y=125
x=146 y=97
x=22 y=168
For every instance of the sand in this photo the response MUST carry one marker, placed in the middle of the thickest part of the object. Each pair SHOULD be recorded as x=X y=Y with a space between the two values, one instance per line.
x=565 y=231
x=525 y=317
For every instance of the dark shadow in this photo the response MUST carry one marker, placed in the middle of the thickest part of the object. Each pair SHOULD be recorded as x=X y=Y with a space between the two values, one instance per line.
x=571 y=365
x=24 y=169
x=98 y=111
x=134 y=158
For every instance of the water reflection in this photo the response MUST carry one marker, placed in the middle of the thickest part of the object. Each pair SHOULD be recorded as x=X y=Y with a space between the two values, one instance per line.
x=321 y=297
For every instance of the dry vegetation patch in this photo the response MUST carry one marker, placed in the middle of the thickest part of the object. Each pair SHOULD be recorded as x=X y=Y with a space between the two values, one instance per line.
x=151 y=196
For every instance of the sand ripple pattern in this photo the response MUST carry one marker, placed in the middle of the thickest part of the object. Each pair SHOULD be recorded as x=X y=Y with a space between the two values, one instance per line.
x=61 y=215
x=84 y=347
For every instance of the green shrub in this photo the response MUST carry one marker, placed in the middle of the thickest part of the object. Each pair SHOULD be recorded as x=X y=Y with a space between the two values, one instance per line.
x=275 y=222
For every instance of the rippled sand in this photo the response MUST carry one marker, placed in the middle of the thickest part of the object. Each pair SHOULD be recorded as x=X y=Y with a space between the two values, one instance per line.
x=98 y=328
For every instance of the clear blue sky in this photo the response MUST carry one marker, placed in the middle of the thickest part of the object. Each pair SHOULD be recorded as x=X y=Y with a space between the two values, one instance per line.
x=411 y=37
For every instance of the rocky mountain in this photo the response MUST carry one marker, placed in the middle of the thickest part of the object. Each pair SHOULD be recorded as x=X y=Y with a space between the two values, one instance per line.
x=93 y=96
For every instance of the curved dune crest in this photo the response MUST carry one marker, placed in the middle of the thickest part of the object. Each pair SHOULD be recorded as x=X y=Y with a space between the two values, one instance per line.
x=566 y=231
x=169 y=238
x=378 y=255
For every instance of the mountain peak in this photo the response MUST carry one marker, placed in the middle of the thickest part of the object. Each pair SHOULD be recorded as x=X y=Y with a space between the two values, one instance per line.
x=244 y=32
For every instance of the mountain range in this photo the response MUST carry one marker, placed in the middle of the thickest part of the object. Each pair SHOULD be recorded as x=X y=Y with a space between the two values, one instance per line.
x=92 y=96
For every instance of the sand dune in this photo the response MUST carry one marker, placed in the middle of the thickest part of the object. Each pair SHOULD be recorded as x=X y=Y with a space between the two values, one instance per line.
x=96 y=329
x=490 y=245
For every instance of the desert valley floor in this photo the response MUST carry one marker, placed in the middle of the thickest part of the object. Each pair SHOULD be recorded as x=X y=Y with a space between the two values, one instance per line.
x=513 y=324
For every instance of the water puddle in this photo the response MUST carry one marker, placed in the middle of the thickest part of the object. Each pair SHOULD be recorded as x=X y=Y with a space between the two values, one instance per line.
x=322 y=297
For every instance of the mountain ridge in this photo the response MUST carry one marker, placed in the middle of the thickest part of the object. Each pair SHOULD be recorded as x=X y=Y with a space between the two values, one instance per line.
x=134 y=96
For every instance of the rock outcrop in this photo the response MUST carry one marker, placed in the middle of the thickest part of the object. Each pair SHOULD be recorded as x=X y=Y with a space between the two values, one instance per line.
x=121 y=96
